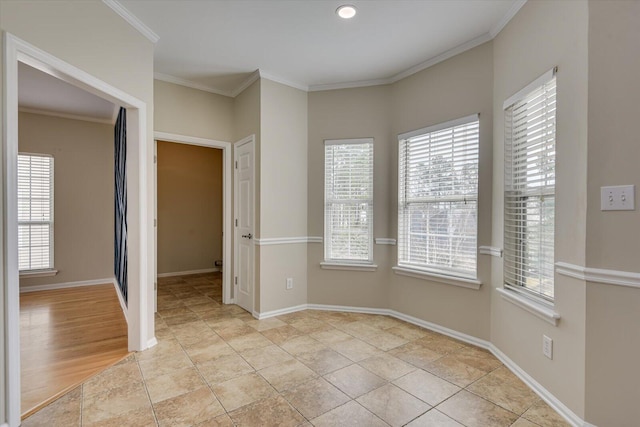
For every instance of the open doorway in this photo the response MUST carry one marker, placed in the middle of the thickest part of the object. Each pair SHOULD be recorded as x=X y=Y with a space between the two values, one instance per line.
x=140 y=293
x=193 y=212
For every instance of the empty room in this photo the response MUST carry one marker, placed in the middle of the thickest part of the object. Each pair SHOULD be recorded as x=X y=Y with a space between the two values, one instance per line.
x=422 y=212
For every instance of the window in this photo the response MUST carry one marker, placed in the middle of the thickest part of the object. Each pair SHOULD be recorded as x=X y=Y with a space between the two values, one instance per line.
x=529 y=192
x=348 y=201
x=35 y=212
x=438 y=198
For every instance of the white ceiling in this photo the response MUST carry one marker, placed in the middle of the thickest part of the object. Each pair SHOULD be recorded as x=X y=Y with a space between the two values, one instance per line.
x=217 y=44
x=39 y=92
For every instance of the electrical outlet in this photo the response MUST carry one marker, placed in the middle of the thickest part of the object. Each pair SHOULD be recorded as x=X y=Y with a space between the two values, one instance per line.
x=547 y=346
x=289 y=283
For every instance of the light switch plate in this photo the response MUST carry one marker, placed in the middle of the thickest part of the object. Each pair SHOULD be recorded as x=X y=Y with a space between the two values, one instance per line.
x=617 y=198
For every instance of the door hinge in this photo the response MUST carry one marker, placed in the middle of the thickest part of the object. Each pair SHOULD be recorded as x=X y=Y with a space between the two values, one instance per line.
x=236 y=164
x=155 y=222
x=236 y=222
x=155 y=286
x=155 y=159
x=236 y=281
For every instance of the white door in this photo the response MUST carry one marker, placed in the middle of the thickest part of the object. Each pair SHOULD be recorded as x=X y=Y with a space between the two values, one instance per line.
x=155 y=226
x=244 y=207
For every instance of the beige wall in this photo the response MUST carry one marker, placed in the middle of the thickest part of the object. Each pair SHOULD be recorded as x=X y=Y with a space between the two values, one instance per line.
x=283 y=190
x=543 y=35
x=613 y=238
x=83 y=192
x=90 y=36
x=455 y=88
x=191 y=112
x=189 y=207
x=344 y=114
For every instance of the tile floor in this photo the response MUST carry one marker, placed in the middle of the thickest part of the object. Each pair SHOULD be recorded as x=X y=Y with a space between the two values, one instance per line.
x=216 y=365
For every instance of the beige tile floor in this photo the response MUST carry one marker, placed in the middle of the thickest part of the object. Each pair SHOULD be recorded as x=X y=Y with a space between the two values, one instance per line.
x=216 y=365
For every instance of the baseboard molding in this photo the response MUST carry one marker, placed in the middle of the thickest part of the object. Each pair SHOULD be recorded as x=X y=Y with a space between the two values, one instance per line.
x=542 y=392
x=188 y=272
x=152 y=343
x=280 y=312
x=66 y=285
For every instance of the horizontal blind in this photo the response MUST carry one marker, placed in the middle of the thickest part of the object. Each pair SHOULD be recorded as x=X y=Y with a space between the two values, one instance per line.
x=529 y=196
x=349 y=200
x=438 y=198
x=35 y=212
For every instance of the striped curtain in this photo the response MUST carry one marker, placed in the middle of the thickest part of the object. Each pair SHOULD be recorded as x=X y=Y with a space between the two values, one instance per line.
x=120 y=169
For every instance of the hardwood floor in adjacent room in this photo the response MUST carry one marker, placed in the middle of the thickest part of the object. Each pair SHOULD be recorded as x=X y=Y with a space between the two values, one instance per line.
x=66 y=337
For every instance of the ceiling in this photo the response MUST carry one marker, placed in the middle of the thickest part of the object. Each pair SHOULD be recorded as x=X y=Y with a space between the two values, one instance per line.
x=217 y=45
x=220 y=45
x=41 y=93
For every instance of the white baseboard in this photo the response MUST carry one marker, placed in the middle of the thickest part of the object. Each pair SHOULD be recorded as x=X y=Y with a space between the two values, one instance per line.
x=123 y=305
x=542 y=392
x=267 y=314
x=152 y=343
x=188 y=272
x=66 y=285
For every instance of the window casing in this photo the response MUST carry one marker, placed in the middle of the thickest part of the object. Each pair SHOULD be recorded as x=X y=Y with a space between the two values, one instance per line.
x=529 y=192
x=348 y=201
x=35 y=212
x=438 y=198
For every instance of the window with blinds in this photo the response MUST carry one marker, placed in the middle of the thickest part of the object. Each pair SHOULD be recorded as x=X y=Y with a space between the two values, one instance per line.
x=438 y=198
x=348 y=200
x=35 y=212
x=529 y=194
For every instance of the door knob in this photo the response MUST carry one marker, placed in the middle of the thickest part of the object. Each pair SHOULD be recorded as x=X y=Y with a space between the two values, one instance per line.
x=247 y=236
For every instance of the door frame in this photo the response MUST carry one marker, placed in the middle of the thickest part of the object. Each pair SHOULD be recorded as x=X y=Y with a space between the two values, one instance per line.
x=226 y=201
x=247 y=140
x=139 y=313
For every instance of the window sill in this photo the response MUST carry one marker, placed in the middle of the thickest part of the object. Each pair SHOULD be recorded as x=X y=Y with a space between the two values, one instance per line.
x=536 y=308
x=441 y=278
x=37 y=273
x=328 y=265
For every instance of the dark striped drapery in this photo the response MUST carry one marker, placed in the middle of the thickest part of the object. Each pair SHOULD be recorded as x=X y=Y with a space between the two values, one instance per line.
x=120 y=169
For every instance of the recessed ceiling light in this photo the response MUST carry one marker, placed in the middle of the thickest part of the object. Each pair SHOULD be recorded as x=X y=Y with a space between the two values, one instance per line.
x=346 y=11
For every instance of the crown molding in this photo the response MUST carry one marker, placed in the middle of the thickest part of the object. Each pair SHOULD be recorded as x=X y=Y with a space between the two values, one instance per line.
x=245 y=84
x=285 y=82
x=349 y=85
x=65 y=116
x=193 y=85
x=132 y=20
x=515 y=7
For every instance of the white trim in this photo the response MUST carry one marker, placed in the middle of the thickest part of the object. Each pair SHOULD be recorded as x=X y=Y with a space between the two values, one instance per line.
x=268 y=241
x=348 y=141
x=539 y=310
x=332 y=265
x=490 y=250
x=513 y=10
x=543 y=79
x=439 y=126
x=132 y=20
x=123 y=305
x=542 y=392
x=30 y=274
x=227 y=179
x=440 y=278
x=442 y=57
x=245 y=84
x=599 y=275
x=385 y=241
x=65 y=115
x=152 y=342
x=64 y=285
x=349 y=309
x=190 y=84
x=282 y=81
x=188 y=272
x=280 y=312
x=349 y=85
x=314 y=239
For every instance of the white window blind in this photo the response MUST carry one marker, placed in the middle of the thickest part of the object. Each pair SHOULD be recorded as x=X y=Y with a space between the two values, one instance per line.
x=35 y=212
x=529 y=195
x=348 y=200
x=438 y=198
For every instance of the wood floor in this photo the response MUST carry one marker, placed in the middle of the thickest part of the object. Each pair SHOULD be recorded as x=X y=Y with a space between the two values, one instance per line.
x=67 y=336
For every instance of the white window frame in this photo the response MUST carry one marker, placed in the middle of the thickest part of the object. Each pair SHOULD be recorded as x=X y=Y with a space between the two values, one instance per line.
x=330 y=260
x=514 y=228
x=48 y=270
x=465 y=278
